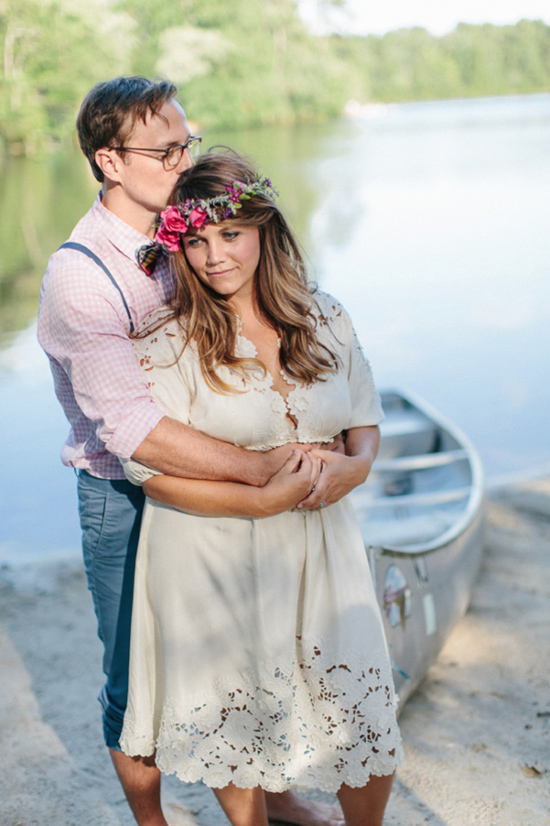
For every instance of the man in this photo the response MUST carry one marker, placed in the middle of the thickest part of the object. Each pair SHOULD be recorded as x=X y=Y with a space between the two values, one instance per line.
x=137 y=141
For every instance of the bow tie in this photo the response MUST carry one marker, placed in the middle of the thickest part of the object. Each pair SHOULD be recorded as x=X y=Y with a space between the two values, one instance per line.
x=148 y=255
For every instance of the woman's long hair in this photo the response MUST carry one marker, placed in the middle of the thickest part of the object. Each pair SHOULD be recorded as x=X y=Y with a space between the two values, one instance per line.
x=281 y=287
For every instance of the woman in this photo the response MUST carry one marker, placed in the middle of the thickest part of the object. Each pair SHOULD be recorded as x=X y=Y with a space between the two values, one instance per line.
x=258 y=659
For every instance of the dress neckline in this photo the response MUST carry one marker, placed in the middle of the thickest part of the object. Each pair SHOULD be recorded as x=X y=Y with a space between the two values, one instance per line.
x=269 y=379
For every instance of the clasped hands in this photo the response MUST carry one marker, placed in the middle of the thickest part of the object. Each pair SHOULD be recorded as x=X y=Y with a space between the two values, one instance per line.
x=315 y=476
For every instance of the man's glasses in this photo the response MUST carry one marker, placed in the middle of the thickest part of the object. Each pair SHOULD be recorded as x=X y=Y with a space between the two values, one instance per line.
x=171 y=156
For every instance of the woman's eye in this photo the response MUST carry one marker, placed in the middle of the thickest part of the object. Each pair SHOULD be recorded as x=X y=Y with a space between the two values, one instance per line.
x=230 y=235
x=191 y=242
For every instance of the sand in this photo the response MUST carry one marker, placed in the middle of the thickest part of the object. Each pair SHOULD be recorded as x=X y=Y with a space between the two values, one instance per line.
x=476 y=733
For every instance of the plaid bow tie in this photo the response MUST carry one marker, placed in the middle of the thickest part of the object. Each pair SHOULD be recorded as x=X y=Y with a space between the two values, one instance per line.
x=148 y=255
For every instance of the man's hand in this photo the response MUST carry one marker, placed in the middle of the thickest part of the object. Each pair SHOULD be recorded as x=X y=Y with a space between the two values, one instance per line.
x=274 y=459
x=337 y=445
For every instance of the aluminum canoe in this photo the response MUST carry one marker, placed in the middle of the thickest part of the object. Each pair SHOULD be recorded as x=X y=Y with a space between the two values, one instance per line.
x=422 y=515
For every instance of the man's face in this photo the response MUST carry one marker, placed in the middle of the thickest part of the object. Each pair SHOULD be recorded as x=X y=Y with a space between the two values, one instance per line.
x=145 y=181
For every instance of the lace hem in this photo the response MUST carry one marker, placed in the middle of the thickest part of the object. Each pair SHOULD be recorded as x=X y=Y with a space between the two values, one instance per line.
x=311 y=727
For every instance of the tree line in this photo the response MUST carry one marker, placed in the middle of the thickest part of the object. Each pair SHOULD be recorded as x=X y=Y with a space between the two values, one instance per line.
x=241 y=64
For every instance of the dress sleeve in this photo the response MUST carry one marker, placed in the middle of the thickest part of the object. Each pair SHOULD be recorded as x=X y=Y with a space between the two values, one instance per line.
x=366 y=407
x=168 y=368
x=136 y=473
x=365 y=399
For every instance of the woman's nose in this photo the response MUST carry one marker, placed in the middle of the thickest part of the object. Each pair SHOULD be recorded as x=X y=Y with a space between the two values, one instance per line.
x=215 y=252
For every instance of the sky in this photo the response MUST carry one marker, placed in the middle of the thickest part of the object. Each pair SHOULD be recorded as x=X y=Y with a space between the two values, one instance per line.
x=437 y=16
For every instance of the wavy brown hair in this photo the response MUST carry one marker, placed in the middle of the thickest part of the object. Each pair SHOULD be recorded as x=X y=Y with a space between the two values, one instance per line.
x=282 y=293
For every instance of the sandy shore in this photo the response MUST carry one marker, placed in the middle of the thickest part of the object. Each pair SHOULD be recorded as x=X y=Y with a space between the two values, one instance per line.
x=477 y=732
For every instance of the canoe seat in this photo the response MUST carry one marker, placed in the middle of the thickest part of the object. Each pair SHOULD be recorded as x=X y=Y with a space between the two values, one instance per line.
x=407 y=433
x=362 y=500
x=423 y=461
x=402 y=532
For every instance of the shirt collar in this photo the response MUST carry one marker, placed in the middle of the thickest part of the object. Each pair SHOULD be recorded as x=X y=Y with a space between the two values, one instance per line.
x=126 y=239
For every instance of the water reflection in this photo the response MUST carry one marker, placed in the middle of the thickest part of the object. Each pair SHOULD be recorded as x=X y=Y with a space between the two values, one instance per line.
x=39 y=202
x=290 y=156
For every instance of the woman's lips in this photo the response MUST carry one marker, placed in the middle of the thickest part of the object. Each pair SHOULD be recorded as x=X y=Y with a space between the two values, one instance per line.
x=219 y=273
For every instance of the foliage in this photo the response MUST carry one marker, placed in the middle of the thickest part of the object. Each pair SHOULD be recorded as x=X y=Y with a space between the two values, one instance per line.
x=241 y=63
x=411 y=64
x=39 y=200
x=52 y=52
x=244 y=63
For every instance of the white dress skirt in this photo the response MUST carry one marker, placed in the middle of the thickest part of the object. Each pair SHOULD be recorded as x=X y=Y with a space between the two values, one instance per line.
x=258 y=654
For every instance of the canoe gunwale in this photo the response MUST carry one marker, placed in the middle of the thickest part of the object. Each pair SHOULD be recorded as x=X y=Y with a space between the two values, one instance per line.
x=475 y=507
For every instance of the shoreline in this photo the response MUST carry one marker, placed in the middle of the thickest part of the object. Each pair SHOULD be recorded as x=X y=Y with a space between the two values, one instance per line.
x=476 y=732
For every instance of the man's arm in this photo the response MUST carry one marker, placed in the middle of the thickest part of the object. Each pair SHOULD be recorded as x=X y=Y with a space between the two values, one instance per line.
x=175 y=449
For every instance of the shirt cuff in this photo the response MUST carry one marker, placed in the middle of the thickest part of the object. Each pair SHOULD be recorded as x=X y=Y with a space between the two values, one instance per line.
x=131 y=432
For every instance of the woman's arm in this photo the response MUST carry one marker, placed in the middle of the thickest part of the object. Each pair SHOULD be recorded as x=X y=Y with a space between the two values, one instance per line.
x=340 y=474
x=208 y=498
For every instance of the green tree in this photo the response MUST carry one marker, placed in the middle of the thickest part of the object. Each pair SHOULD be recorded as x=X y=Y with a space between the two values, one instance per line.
x=244 y=63
x=51 y=54
x=241 y=63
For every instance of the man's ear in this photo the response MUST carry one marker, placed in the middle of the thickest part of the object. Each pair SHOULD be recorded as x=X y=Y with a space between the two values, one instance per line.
x=109 y=161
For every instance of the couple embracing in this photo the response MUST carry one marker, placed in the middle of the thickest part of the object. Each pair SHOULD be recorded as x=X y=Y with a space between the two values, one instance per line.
x=220 y=409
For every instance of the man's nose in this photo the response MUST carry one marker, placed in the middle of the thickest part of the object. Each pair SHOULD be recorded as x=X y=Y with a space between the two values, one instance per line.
x=186 y=161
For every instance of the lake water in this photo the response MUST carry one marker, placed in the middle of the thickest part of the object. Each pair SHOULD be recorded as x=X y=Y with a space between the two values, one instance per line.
x=428 y=220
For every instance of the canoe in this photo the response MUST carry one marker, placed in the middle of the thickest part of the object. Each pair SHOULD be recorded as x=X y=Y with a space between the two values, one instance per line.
x=422 y=515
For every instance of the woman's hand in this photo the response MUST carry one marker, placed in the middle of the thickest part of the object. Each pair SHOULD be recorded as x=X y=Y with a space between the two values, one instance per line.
x=291 y=484
x=341 y=474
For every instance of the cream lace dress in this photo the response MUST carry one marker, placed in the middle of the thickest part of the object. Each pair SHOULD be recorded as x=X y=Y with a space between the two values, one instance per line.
x=257 y=654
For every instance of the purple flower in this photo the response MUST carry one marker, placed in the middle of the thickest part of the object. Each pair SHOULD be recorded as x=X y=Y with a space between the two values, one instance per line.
x=233 y=193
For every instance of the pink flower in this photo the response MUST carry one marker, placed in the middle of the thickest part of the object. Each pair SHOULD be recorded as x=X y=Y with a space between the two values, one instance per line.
x=197 y=217
x=171 y=240
x=173 y=220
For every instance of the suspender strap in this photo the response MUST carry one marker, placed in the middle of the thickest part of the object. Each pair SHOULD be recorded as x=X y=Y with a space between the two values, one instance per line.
x=72 y=245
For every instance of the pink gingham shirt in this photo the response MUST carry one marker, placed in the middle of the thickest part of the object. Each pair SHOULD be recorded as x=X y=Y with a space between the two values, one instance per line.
x=83 y=328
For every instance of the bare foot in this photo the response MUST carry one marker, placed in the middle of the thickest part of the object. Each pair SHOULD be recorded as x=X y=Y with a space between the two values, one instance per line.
x=290 y=808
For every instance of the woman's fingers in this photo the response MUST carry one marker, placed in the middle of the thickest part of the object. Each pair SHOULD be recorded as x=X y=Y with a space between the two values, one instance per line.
x=306 y=470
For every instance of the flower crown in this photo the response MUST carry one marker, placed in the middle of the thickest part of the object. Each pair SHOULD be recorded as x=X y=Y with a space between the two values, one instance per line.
x=198 y=212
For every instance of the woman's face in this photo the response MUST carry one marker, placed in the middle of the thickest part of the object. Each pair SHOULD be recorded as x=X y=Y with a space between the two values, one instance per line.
x=225 y=256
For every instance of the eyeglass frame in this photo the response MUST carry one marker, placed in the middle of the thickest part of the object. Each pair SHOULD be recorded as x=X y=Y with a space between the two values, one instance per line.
x=192 y=139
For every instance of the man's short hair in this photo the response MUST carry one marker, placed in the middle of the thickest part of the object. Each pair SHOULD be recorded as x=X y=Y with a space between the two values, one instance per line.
x=110 y=110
